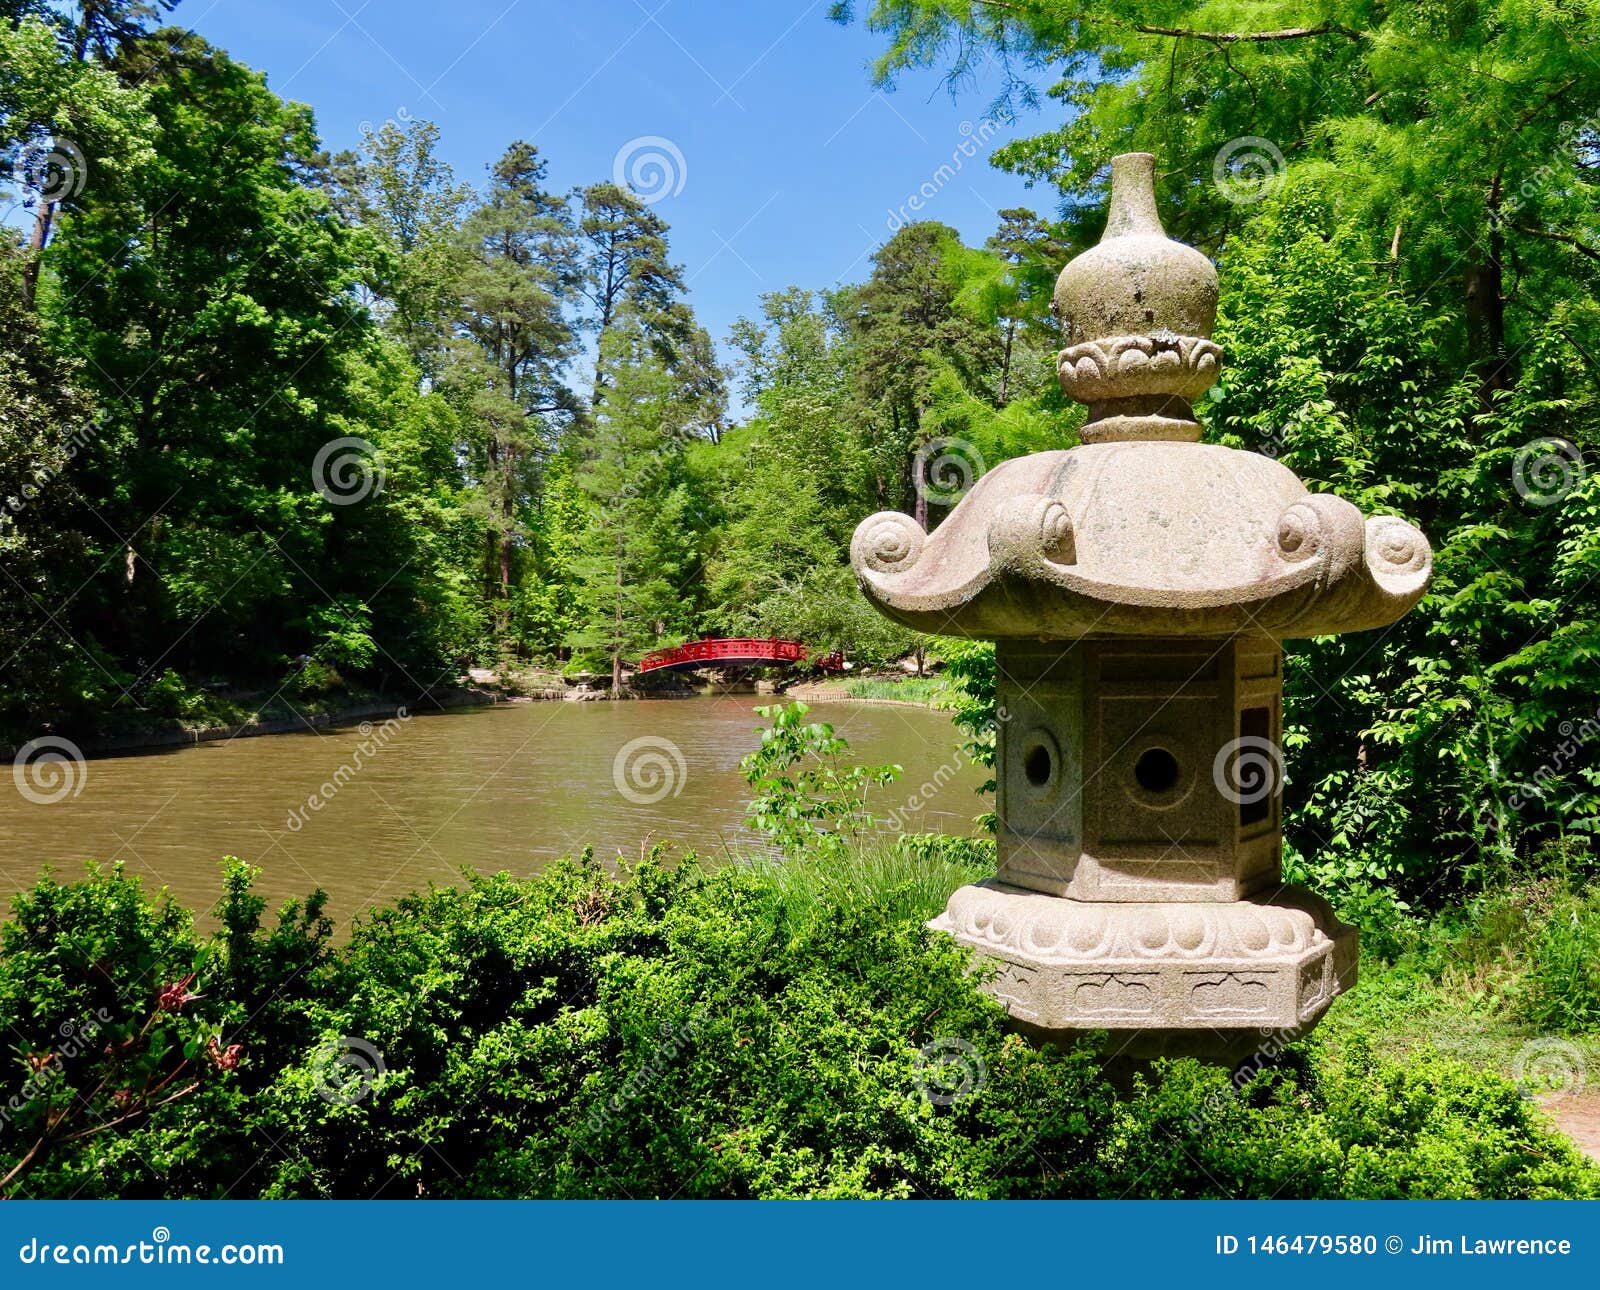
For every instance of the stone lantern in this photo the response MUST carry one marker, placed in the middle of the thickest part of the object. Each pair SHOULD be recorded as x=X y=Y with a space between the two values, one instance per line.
x=1138 y=589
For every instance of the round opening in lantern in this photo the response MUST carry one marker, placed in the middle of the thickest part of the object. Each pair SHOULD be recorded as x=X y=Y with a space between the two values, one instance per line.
x=1156 y=771
x=1036 y=765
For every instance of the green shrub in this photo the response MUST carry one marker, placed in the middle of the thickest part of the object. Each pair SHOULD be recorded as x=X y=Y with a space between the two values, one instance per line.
x=808 y=797
x=110 y=1030
x=673 y=1032
x=169 y=695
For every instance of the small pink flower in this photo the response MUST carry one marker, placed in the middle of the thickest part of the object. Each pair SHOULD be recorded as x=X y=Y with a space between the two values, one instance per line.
x=174 y=996
x=224 y=1059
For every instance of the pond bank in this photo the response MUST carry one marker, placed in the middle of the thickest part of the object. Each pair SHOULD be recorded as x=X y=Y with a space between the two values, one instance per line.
x=332 y=717
x=484 y=689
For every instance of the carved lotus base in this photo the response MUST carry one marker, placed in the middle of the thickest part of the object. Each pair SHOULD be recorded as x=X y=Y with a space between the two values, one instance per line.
x=1119 y=367
x=1208 y=980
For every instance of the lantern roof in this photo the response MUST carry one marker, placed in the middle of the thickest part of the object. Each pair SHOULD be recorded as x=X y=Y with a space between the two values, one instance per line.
x=1141 y=530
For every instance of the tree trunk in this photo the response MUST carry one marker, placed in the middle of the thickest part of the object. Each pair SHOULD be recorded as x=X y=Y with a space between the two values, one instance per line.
x=606 y=307
x=616 y=628
x=505 y=553
x=1005 y=364
x=46 y=216
x=1486 y=303
x=497 y=555
x=1486 y=328
x=36 y=244
x=916 y=468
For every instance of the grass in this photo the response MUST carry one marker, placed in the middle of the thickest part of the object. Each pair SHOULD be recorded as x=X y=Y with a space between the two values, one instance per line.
x=928 y=690
x=907 y=878
x=1511 y=975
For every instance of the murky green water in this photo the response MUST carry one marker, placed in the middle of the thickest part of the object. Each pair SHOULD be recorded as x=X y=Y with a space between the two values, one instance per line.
x=490 y=788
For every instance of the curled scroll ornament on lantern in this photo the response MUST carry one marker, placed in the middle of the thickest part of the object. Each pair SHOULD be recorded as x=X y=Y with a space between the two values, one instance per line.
x=1324 y=528
x=1398 y=555
x=888 y=542
x=1029 y=530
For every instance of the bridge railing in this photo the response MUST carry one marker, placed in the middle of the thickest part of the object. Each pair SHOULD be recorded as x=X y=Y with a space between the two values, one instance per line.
x=770 y=649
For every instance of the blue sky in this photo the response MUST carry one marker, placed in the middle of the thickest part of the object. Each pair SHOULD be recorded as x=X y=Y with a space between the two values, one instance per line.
x=793 y=166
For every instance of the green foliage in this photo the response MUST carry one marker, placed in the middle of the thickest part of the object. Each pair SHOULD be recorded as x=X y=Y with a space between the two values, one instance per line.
x=63 y=119
x=408 y=201
x=764 y=1030
x=638 y=553
x=908 y=878
x=1564 y=980
x=225 y=341
x=46 y=419
x=247 y=304
x=1505 y=968
x=825 y=608
x=970 y=670
x=1428 y=1128
x=795 y=482
x=808 y=798
x=1447 y=745
x=170 y=696
x=97 y=990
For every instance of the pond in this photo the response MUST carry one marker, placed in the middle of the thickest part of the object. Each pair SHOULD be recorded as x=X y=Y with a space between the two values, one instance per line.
x=412 y=802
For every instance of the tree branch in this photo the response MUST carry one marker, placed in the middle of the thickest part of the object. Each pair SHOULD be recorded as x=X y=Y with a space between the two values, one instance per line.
x=1251 y=37
x=131 y=1115
x=1216 y=37
x=1564 y=238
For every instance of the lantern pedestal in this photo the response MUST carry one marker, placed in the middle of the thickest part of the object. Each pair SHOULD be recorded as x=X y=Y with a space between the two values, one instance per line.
x=1162 y=980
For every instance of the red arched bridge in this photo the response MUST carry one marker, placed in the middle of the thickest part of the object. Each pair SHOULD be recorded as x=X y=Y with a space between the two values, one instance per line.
x=738 y=651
